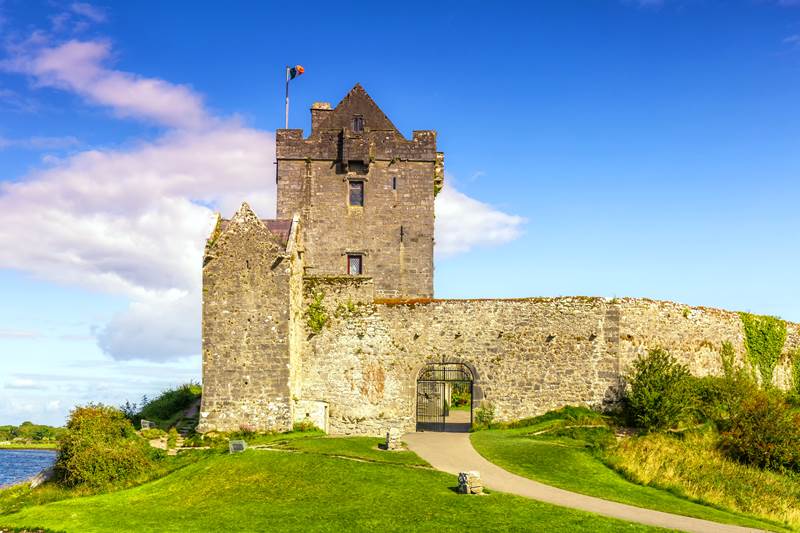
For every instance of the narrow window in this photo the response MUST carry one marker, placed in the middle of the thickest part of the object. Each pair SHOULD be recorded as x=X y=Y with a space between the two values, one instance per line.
x=394 y=183
x=354 y=265
x=358 y=123
x=357 y=193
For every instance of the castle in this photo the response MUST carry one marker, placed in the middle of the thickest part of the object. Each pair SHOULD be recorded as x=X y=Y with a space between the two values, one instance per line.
x=326 y=314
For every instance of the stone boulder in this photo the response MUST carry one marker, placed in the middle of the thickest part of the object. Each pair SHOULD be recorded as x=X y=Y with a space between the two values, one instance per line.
x=470 y=483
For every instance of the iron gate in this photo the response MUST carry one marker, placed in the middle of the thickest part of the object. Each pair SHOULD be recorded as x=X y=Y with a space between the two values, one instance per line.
x=434 y=388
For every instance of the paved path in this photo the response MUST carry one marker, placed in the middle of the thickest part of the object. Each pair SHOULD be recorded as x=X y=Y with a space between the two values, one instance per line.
x=453 y=453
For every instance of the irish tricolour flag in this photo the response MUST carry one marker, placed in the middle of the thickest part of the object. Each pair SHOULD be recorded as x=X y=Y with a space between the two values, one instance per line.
x=295 y=71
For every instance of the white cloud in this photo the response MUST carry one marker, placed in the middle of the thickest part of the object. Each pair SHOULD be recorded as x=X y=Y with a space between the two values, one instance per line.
x=133 y=220
x=79 y=66
x=24 y=384
x=93 y=13
x=463 y=223
x=156 y=329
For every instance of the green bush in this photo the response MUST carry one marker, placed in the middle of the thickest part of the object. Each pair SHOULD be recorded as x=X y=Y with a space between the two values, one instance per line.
x=764 y=432
x=484 y=415
x=99 y=448
x=172 y=438
x=659 y=393
x=152 y=433
x=305 y=425
x=460 y=395
x=718 y=398
x=170 y=403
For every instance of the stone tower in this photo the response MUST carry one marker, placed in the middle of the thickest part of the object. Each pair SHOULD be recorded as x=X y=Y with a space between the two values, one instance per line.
x=364 y=194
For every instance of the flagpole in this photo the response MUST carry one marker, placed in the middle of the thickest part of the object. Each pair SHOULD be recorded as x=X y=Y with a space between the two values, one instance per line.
x=287 y=98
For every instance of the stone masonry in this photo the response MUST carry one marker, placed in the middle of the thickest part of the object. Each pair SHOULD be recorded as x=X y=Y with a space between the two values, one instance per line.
x=265 y=367
x=393 y=229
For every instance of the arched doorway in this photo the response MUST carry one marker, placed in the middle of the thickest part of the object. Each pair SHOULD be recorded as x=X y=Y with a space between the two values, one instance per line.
x=444 y=397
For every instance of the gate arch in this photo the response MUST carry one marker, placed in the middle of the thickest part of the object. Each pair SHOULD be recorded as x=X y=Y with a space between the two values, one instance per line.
x=439 y=387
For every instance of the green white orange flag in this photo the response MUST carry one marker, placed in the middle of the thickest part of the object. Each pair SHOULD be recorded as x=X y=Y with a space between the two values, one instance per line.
x=291 y=73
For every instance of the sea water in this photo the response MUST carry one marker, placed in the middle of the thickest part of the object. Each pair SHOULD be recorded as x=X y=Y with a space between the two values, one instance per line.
x=19 y=465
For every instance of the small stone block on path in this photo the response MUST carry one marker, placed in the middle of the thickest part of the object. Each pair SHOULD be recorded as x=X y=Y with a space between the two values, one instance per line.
x=470 y=483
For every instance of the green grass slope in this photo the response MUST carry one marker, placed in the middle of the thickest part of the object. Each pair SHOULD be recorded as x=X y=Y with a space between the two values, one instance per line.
x=307 y=486
x=564 y=457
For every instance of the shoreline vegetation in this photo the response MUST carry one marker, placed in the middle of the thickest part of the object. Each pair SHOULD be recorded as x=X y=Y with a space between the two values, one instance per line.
x=32 y=446
x=29 y=436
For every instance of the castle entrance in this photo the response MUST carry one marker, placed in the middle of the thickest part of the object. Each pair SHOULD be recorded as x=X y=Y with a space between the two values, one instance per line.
x=444 y=397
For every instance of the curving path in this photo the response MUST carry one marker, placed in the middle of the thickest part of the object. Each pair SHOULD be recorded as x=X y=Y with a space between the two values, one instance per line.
x=453 y=453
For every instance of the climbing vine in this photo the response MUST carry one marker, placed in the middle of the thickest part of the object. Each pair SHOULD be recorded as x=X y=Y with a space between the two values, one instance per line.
x=728 y=356
x=764 y=340
x=795 y=361
x=316 y=314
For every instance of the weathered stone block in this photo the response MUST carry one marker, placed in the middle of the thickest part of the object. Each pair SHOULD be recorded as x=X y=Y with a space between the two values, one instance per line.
x=470 y=482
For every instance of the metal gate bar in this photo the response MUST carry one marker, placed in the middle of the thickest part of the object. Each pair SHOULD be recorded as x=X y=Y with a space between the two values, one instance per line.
x=432 y=401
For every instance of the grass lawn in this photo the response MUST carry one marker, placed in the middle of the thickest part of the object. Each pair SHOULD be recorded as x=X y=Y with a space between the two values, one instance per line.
x=564 y=459
x=312 y=488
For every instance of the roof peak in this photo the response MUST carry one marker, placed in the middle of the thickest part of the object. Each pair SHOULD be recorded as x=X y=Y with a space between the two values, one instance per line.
x=358 y=102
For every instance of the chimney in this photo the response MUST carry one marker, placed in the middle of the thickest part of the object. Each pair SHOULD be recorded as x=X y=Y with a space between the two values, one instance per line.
x=319 y=112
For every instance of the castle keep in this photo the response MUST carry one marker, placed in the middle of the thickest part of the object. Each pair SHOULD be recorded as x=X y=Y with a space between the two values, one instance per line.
x=327 y=313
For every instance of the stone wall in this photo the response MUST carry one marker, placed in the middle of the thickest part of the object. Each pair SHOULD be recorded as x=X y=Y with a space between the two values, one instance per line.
x=692 y=334
x=246 y=321
x=527 y=356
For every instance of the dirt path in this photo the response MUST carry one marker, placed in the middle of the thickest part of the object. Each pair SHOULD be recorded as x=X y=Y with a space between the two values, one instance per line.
x=453 y=453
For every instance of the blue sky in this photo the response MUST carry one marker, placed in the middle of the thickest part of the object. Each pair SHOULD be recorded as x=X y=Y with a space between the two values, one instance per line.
x=611 y=148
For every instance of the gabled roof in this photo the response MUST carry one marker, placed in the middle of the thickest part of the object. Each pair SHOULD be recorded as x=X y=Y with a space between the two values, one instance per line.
x=279 y=229
x=357 y=102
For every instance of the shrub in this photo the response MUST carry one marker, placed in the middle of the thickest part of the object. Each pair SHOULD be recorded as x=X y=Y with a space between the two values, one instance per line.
x=659 y=394
x=718 y=398
x=170 y=402
x=306 y=424
x=484 y=415
x=316 y=314
x=764 y=432
x=100 y=447
x=152 y=433
x=172 y=438
x=460 y=395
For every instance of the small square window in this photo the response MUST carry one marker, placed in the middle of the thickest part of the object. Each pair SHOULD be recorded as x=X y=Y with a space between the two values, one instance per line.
x=358 y=124
x=357 y=193
x=355 y=264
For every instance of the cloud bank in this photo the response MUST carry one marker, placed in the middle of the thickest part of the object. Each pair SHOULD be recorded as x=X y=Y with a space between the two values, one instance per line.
x=133 y=220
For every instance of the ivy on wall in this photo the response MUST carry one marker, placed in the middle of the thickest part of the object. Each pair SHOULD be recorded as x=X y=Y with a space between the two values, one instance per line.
x=764 y=337
x=728 y=356
x=316 y=314
x=795 y=361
